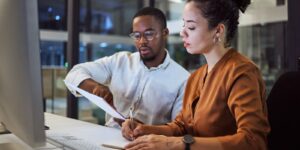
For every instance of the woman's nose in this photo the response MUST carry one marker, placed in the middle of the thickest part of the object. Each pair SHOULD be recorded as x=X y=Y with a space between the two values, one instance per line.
x=182 y=33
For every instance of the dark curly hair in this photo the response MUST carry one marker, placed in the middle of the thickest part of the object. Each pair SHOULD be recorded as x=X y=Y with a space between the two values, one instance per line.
x=222 y=11
x=155 y=12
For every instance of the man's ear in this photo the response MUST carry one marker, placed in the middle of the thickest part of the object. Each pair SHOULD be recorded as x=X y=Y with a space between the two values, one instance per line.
x=165 y=33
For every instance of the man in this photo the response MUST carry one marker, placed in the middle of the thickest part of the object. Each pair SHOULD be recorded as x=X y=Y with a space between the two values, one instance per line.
x=148 y=81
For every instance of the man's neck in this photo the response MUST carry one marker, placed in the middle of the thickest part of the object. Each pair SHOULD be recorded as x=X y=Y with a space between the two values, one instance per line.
x=157 y=61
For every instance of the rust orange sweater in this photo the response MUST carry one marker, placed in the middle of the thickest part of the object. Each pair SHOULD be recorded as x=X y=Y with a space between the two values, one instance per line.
x=228 y=104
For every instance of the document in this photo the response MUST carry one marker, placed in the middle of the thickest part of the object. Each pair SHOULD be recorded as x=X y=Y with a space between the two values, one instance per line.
x=99 y=101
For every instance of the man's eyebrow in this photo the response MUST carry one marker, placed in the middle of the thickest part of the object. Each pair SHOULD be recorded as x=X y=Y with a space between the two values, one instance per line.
x=149 y=29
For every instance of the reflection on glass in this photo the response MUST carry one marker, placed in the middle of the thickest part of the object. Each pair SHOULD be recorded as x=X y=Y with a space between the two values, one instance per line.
x=100 y=16
x=265 y=45
x=52 y=53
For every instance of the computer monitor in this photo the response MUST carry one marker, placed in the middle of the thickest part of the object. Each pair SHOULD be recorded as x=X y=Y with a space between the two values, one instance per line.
x=21 y=104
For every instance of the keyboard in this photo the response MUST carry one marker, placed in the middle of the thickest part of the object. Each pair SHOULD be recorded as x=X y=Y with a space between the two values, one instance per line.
x=68 y=142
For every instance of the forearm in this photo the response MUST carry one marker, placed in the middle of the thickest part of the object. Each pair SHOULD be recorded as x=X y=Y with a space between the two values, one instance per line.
x=206 y=143
x=176 y=143
x=98 y=89
x=159 y=130
x=88 y=85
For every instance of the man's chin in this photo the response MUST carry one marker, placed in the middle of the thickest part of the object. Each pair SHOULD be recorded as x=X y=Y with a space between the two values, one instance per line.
x=147 y=58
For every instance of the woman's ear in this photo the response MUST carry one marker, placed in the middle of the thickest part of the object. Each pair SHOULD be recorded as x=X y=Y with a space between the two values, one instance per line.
x=219 y=35
x=220 y=30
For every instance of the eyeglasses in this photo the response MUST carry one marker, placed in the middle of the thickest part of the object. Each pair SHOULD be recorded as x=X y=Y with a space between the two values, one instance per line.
x=148 y=35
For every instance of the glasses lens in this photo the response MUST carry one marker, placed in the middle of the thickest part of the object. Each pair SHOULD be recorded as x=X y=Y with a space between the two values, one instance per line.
x=135 y=35
x=149 y=35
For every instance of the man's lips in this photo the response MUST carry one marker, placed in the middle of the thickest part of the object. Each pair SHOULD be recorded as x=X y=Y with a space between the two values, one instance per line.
x=144 y=50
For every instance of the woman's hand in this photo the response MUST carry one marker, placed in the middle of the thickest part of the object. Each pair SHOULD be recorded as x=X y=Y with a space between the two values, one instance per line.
x=132 y=129
x=155 y=142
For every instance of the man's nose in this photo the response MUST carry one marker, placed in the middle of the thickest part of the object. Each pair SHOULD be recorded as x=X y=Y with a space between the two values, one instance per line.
x=143 y=39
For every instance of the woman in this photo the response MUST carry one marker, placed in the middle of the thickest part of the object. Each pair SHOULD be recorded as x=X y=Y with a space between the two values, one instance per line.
x=224 y=104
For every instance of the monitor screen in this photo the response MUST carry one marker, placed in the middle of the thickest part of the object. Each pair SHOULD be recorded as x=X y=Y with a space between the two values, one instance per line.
x=21 y=105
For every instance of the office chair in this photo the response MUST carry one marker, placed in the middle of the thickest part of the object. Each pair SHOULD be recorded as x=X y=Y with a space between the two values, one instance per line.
x=284 y=112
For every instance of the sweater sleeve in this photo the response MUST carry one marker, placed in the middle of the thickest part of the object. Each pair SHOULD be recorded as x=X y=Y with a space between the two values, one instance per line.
x=246 y=102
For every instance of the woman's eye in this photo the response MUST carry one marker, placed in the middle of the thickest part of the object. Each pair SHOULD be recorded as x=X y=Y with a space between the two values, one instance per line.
x=191 y=28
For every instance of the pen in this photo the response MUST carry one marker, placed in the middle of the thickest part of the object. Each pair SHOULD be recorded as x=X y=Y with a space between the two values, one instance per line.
x=112 y=146
x=131 y=118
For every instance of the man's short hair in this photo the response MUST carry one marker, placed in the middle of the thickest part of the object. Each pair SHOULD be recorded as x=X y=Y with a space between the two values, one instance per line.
x=155 y=12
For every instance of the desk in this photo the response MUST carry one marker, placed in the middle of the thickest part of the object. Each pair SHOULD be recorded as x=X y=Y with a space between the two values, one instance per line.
x=93 y=133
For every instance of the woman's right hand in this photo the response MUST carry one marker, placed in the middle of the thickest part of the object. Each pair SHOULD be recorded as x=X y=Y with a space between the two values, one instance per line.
x=132 y=129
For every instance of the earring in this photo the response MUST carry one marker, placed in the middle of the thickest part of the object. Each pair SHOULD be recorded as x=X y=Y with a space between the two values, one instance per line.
x=217 y=38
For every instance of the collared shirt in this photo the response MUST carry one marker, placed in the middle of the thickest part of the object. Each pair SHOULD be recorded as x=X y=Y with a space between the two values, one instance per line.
x=226 y=105
x=155 y=93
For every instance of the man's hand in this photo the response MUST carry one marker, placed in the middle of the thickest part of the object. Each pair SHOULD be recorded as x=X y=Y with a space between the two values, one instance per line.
x=103 y=91
x=98 y=89
x=132 y=130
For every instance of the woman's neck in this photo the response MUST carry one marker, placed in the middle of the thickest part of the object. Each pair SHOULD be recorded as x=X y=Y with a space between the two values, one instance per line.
x=213 y=56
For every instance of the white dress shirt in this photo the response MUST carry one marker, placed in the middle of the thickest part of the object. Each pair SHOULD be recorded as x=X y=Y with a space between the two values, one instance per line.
x=154 y=93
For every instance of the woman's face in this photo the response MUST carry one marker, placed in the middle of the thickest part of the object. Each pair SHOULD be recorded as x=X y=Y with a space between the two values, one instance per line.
x=195 y=34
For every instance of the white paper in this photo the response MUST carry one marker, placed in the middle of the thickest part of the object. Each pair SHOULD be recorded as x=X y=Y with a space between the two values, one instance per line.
x=99 y=101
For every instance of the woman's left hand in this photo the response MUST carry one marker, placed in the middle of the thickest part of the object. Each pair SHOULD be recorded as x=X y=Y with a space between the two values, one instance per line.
x=151 y=142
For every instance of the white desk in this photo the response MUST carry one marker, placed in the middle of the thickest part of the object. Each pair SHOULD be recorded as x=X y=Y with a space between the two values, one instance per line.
x=87 y=131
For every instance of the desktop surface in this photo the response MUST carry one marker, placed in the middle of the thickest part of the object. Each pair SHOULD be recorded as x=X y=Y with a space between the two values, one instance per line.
x=93 y=133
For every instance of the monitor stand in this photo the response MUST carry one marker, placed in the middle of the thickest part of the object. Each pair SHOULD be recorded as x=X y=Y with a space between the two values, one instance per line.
x=3 y=129
x=11 y=146
x=8 y=146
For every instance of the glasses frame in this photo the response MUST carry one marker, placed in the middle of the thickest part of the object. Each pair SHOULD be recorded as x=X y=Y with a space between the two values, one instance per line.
x=142 y=34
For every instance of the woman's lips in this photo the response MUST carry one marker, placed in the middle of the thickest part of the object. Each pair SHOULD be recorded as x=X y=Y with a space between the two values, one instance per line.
x=185 y=44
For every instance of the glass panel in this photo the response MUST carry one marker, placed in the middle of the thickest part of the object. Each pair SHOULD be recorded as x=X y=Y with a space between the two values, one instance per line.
x=52 y=53
x=96 y=16
x=107 y=17
x=106 y=49
x=265 y=45
x=53 y=71
x=52 y=14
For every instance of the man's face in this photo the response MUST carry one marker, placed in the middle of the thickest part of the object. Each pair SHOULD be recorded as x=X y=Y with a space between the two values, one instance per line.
x=151 y=37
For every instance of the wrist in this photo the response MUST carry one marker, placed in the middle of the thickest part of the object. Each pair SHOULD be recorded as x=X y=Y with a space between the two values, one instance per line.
x=188 y=140
x=175 y=143
x=98 y=85
x=145 y=129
